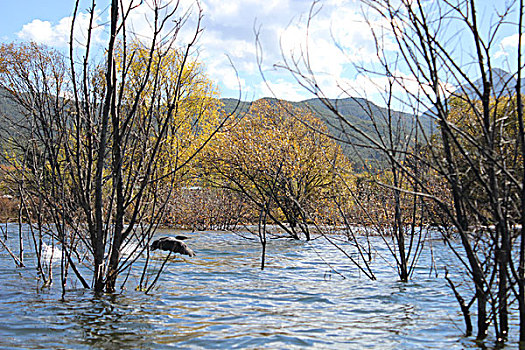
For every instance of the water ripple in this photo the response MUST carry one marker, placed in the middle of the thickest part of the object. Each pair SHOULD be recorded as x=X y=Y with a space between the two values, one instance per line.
x=220 y=299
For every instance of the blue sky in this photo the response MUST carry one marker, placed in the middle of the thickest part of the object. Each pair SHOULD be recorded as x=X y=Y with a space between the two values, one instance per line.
x=229 y=34
x=18 y=13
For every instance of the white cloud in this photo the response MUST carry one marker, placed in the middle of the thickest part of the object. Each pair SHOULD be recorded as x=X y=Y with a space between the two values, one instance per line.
x=140 y=23
x=511 y=41
x=241 y=13
x=282 y=89
x=58 y=35
x=220 y=70
x=338 y=38
x=508 y=44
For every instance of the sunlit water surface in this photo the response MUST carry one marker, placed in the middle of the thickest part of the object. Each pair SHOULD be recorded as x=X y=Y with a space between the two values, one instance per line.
x=220 y=299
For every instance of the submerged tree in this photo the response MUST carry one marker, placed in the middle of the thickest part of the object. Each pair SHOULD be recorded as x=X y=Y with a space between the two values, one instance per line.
x=98 y=147
x=470 y=126
x=474 y=138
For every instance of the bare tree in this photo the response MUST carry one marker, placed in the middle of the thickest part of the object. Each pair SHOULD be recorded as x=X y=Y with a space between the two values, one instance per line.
x=390 y=136
x=476 y=112
x=103 y=143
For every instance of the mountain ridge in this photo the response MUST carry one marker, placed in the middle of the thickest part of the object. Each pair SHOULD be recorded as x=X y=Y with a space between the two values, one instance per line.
x=361 y=113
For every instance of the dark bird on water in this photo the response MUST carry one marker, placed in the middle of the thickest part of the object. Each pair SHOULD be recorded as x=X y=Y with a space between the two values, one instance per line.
x=175 y=245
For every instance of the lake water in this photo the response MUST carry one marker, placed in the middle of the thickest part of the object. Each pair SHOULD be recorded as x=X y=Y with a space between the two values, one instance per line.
x=220 y=299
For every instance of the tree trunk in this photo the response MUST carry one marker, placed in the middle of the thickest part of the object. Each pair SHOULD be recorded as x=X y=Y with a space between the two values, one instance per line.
x=100 y=236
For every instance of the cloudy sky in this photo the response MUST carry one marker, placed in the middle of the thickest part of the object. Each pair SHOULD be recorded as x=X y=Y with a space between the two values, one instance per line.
x=339 y=39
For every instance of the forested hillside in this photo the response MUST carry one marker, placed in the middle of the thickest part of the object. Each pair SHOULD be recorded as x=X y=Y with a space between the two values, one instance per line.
x=358 y=112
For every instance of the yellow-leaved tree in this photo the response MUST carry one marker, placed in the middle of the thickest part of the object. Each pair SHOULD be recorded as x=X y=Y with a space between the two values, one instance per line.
x=101 y=146
x=279 y=159
x=196 y=112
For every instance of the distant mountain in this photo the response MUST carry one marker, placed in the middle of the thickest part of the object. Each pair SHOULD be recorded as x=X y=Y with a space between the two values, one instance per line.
x=234 y=105
x=503 y=84
x=7 y=108
x=358 y=112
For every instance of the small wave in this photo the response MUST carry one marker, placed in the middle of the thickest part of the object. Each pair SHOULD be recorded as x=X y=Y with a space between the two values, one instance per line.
x=51 y=252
